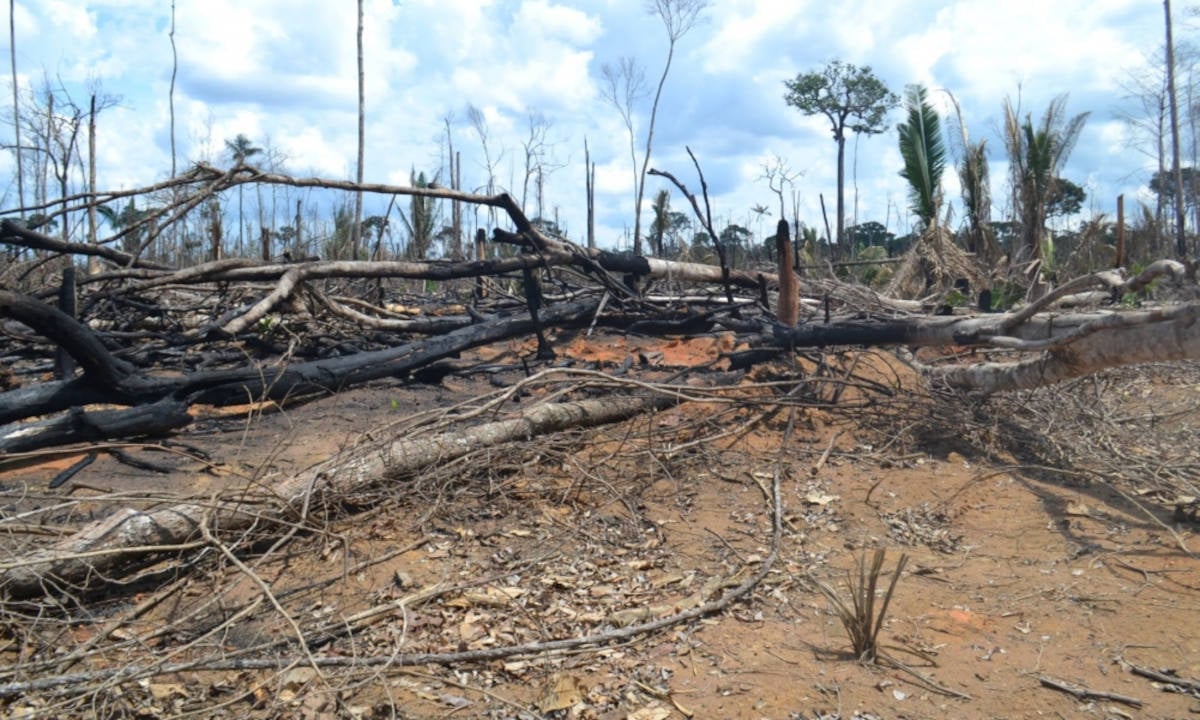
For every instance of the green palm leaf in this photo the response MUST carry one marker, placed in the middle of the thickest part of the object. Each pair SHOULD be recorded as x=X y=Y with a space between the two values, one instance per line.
x=924 y=153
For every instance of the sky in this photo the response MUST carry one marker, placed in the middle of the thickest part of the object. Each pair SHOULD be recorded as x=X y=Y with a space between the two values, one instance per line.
x=284 y=73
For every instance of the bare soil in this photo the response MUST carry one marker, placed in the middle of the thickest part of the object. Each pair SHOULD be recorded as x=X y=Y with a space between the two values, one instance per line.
x=1044 y=542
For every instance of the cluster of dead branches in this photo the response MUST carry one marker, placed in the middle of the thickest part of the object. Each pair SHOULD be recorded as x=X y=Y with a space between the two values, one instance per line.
x=145 y=345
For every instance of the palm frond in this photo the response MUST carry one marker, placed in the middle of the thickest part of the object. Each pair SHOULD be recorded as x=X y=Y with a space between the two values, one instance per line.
x=924 y=153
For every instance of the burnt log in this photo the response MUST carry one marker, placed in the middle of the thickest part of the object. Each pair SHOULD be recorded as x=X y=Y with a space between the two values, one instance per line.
x=79 y=425
x=107 y=379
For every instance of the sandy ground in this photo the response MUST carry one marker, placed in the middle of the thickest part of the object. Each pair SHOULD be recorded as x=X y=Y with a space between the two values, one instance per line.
x=1017 y=578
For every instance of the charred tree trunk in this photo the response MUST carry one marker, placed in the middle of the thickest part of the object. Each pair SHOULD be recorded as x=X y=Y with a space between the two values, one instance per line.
x=788 y=309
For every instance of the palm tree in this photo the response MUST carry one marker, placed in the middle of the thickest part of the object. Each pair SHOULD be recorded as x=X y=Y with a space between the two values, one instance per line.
x=977 y=199
x=1035 y=155
x=421 y=219
x=125 y=221
x=973 y=179
x=924 y=154
x=761 y=211
x=239 y=149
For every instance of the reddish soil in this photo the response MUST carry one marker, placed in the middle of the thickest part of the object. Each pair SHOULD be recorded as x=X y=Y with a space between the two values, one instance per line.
x=1018 y=574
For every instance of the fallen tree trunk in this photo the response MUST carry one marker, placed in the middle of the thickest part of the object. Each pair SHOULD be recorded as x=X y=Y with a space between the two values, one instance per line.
x=131 y=539
x=1107 y=342
x=1069 y=344
x=79 y=425
x=108 y=379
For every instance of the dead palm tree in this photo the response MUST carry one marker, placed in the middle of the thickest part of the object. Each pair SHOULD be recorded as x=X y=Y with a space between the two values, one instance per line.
x=977 y=199
x=1035 y=156
x=421 y=218
x=974 y=182
x=661 y=208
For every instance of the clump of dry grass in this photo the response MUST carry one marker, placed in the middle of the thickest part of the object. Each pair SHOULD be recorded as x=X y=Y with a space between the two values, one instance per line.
x=858 y=615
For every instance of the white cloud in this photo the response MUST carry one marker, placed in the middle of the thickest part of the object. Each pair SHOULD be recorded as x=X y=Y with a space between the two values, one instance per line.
x=541 y=19
x=308 y=148
x=284 y=71
x=71 y=18
x=741 y=27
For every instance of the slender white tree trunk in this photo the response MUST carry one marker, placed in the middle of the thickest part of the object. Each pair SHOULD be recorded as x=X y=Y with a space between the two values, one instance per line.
x=356 y=230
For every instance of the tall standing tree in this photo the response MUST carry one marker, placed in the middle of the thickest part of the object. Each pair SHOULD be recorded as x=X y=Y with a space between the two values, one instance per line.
x=479 y=122
x=852 y=99
x=171 y=110
x=1035 y=155
x=779 y=176
x=924 y=155
x=240 y=148
x=975 y=184
x=678 y=17
x=93 y=263
x=1147 y=115
x=1180 y=237
x=171 y=90
x=623 y=85
x=356 y=229
x=539 y=161
x=589 y=168
x=12 y=53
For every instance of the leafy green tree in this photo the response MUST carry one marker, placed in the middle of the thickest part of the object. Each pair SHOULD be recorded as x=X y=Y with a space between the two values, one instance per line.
x=379 y=224
x=735 y=237
x=873 y=275
x=240 y=149
x=1066 y=199
x=679 y=224
x=851 y=98
x=924 y=155
x=1008 y=235
x=869 y=234
x=1035 y=154
x=1162 y=183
